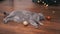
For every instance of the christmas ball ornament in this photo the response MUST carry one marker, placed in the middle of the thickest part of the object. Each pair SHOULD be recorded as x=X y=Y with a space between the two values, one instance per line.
x=48 y=17
x=55 y=1
x=38 y=1
x=43 y=2
x=47 y=5
x=25 y=23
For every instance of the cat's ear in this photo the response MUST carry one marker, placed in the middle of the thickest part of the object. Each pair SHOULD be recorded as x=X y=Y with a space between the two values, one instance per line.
x=40 y=14
x=6 y=13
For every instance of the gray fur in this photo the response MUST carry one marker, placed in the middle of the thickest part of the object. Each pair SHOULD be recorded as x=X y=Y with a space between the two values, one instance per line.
x=19 y=16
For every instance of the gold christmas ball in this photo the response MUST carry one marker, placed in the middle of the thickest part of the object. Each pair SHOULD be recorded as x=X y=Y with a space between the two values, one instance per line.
x=46 y=5
x=25 y=23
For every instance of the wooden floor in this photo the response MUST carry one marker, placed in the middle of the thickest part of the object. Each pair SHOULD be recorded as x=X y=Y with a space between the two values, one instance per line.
x=50 y=26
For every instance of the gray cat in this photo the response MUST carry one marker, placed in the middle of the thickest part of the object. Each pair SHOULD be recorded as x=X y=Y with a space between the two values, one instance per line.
x=22 y=15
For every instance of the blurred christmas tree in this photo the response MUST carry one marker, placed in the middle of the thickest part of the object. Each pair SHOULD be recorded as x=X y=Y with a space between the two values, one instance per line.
x=49 y=2
x=1 y=1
